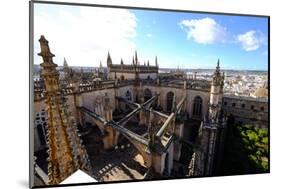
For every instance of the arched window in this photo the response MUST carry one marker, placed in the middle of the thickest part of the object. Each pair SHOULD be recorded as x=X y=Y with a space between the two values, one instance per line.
x=197 y=106
x=170 y=97
x=122 y=77
x=147 y=94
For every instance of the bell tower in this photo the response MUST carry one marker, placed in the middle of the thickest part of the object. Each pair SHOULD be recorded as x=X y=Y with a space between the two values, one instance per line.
x=109 y=64
x=216 y=94
x=204 y=161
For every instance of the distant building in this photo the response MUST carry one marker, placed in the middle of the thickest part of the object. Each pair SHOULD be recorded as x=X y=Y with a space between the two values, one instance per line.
x=132 y=71
x=247 y=110
x=261 y=92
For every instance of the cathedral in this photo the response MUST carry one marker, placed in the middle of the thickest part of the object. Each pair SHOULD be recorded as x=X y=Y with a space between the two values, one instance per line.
x=125 y=122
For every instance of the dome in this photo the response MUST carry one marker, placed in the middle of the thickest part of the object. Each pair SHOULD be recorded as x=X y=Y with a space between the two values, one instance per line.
x=261 y=92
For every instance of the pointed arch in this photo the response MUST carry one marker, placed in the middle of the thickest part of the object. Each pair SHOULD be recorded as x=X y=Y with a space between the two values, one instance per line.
x=197 y=107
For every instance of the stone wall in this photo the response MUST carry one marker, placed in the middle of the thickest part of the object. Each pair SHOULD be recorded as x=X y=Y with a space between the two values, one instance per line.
x=89 y=98
x=147 y=75
x=120 y=74
x=247 y=110
x=129 y=76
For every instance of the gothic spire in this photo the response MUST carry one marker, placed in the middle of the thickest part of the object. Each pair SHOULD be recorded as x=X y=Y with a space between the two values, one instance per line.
x=136 y=57
x=109 y=61
x=66 y=153
x=218 y=65
x=217 y=76
x=65 y=62
x=66 y=69
x=133 y=60
x=156 y=62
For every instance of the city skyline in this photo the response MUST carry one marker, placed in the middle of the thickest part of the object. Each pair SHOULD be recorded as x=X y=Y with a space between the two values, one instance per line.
x=178 y=39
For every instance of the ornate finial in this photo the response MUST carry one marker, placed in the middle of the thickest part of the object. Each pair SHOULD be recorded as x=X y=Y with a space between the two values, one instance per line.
x=148 y=63
x=122 y=61
x=45 y=52
x=156 y=62
x=100 y=65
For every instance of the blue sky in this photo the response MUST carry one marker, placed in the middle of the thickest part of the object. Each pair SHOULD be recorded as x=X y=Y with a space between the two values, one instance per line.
x=179 y=39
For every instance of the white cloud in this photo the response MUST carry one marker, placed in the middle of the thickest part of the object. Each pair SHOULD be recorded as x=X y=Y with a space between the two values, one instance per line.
x=84 y=35
x=148 y=35
x=251 y=40
x=204 y=31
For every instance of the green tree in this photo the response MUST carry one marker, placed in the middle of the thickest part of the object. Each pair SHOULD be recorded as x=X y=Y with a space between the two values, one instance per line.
x=246 y=150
